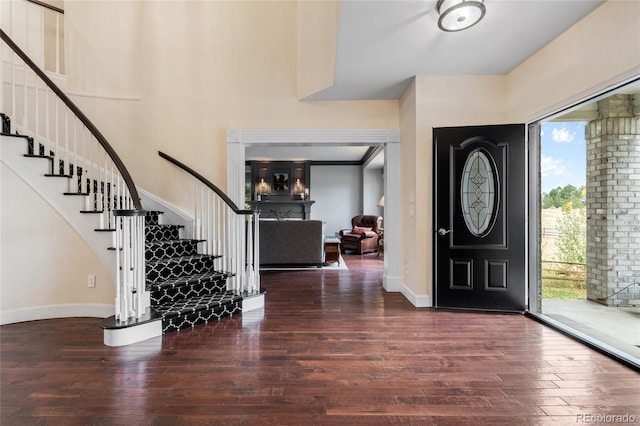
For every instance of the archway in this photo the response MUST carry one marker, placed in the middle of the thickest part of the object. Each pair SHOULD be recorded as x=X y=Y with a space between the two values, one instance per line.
x=239 y=139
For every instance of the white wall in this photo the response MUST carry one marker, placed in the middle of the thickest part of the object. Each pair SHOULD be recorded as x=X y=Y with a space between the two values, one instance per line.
x=372 y=190
x=337 y=193
x=44 y=263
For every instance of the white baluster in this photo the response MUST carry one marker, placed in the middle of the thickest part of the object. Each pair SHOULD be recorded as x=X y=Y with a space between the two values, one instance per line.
x=76 y=158
x=13 y=86
x=66 y=141
x=119 y=271
x=140 y=281
x=85 y=169
x=2 y=50
x=111 y=194
x=42 y=41
x=203 y=214
x=57 y=43
x=25 y=118
x=36 y=115
x=210 y=230
x=56 y=162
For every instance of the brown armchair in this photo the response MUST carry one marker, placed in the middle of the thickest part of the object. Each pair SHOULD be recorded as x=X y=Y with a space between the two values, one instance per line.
x=363 y=235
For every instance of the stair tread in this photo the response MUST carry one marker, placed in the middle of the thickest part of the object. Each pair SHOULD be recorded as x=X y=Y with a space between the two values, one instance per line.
x=38 y=156
x=181 y=258
x=167 y=242
x=197 y=303
x=57 y=175
x=163 y=225
x=186 y=280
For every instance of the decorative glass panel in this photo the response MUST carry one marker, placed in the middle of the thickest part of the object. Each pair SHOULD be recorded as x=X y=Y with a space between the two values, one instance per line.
x=478 y=192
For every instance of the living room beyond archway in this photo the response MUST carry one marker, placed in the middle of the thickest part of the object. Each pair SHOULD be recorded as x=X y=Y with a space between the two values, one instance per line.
x=389 y=139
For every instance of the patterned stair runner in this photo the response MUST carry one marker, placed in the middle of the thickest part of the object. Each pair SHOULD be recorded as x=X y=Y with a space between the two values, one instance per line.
x=186 y=290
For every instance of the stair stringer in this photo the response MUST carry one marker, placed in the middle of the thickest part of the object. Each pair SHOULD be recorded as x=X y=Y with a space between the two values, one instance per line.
x=51 y=189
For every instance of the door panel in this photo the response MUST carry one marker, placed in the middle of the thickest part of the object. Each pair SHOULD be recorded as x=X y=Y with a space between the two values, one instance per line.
x=479 y=202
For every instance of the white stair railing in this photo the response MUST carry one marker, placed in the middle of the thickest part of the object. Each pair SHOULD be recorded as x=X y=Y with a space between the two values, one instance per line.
x=56 y=128
x=227 y=231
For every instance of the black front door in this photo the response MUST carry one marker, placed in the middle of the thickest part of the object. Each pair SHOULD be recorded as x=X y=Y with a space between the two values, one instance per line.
x=479 y=197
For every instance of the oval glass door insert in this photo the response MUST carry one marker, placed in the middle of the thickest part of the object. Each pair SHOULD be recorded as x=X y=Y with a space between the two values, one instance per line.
x=478 y=192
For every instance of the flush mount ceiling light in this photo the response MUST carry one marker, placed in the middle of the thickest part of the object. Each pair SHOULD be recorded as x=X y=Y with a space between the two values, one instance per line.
x=458 y=15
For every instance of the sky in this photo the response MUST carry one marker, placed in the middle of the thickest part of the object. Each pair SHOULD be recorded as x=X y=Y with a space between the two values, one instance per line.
x=563 y=155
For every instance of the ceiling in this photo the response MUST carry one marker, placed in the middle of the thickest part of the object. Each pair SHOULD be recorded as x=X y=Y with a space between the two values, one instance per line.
x=382 y=44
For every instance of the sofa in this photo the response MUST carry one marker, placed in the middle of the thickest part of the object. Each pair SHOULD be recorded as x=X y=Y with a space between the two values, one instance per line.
x=291 y=243
x=363 y=235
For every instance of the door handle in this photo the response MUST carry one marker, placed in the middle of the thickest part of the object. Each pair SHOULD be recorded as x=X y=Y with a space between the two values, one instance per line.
x=443 y=231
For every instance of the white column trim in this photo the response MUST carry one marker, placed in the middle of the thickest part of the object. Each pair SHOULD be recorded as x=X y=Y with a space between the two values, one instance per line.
x=239 y=139
x=392 y=249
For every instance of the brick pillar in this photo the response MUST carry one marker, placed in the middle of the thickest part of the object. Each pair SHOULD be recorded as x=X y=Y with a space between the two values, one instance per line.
x=613 y=203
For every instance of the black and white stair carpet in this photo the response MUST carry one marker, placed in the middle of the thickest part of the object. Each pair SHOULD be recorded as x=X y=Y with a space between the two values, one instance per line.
x=186 y=290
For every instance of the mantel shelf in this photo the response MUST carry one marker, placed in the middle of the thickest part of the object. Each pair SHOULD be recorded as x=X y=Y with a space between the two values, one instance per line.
x=283 y=208
x=256 y=202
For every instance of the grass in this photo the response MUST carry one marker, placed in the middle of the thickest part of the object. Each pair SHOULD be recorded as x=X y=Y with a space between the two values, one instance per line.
x=558 y=289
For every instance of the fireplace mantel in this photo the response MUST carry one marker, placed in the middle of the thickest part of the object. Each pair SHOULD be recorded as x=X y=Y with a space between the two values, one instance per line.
x=283 y=209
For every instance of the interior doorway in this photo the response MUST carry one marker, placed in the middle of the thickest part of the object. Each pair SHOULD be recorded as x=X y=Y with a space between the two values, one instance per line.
x=239 y=139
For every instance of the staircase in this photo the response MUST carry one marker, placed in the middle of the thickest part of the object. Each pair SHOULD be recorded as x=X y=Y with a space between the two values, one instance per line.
x=184 y=286
x=164 y=283
x=186 y=290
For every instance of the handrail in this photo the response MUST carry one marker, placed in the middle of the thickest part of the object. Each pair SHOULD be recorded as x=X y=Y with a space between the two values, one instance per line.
x=206 y=182
x=133 y=191
x=47 y=6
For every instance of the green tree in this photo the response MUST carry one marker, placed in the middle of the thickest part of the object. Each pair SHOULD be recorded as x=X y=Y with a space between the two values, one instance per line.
x=572 y=241
x=559 y=197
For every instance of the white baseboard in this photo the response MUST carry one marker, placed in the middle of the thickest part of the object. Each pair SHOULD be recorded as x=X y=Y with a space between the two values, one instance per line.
x=134 y=334
x=91 y=310
x=253 y=302
x=417 y=300
x=391 y=283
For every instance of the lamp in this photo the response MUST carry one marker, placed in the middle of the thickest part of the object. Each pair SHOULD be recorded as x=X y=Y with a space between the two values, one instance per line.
x=458 y=15
x=298 y=190
x=381 y=202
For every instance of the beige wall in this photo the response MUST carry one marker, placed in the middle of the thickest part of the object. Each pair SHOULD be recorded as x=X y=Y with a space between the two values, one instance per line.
x=43 y=261
x=200 y=68
x=601 y=50
x=440 y=101
x=409 y=182
x=317 y=28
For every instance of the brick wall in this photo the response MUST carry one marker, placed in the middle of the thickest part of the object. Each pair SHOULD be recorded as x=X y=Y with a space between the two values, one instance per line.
x=613 y=203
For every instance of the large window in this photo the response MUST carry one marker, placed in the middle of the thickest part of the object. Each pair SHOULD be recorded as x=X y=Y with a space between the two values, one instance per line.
x=589 y=227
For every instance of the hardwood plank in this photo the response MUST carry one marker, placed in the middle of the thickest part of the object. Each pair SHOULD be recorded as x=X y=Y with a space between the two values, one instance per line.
x=329 y=348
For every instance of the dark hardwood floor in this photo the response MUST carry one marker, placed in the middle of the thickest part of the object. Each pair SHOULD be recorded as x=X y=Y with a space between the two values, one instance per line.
x=330 y=347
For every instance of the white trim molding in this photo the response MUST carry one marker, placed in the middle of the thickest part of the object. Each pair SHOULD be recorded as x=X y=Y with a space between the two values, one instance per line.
x=390 y=139
x=91 y=310
x=417 y=300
